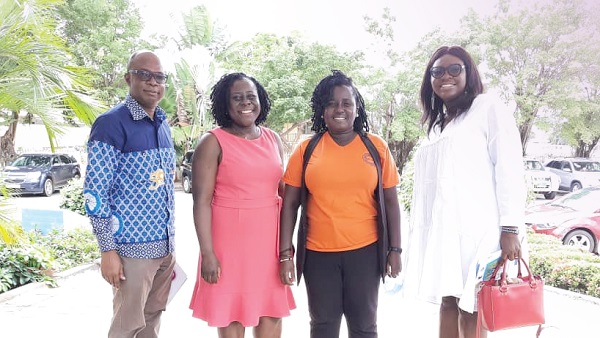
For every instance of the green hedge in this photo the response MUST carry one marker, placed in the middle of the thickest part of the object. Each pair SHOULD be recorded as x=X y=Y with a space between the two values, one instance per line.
x=564 y=266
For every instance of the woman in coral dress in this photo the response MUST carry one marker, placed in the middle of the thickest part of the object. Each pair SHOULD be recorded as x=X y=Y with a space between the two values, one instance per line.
x=237 y=170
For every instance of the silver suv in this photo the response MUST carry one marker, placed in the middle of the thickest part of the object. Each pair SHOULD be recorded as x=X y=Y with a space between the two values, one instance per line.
x=575 y=173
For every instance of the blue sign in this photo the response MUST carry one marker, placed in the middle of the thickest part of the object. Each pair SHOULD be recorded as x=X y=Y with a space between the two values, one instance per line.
x=42 y=220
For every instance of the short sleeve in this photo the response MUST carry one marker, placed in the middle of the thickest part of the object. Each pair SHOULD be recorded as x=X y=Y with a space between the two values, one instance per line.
x=293 y=171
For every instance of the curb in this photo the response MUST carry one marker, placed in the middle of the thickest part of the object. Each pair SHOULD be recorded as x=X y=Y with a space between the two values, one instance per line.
x=571 y=294
x=6 y=296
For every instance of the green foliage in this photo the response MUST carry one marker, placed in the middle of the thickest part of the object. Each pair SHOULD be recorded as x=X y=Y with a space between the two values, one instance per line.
x=69 y=249
x=563 y=266
x=532 y=52
x=23 y=265
x=41 y=255
x=36 y=72
x=11 y=232
x=289 y=67
x=406 y=186
x=71 y=197
x=102 y=34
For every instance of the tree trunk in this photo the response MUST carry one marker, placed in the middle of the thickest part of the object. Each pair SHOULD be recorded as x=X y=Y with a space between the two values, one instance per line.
x=182 y=117
x=401 y=152
x=7 y=141
x=525 y=132
x=585 y=149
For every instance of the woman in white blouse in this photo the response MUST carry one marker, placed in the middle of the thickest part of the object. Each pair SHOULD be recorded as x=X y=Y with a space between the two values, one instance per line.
x=469 y=189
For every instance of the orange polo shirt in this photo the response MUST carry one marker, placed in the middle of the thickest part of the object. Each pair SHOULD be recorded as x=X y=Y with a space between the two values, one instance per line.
x=341 y=180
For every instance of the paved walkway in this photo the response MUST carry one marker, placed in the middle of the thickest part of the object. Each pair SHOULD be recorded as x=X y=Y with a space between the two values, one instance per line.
x=81 y=306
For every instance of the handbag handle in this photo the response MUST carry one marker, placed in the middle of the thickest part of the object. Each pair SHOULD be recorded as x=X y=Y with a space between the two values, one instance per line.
x=503 y=281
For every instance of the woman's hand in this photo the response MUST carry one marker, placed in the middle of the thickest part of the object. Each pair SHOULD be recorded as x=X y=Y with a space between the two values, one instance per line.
x=210 y=269
x=510 y=245
x=287 y=273
x=394 y=264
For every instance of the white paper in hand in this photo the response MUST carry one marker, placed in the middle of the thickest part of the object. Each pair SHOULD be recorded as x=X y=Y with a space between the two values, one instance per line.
x=178 y=278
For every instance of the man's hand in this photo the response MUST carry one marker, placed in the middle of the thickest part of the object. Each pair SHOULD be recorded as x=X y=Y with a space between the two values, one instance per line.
x=111 y=268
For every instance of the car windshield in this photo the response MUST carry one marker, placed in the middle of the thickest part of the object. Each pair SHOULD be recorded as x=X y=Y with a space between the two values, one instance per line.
x=31 y=161
x=587 y=166
x=533 y=165
x=585 y=200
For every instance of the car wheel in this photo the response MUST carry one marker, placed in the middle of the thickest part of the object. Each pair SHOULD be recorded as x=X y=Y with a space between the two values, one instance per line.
x=575 y=186
x=76 y=176
x=187 y=185
x=550 y=195
x=580 y=239
x=48 y=187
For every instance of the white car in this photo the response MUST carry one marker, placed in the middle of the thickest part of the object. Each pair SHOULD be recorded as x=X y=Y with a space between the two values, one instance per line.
x=575 y=173
x=540 y=180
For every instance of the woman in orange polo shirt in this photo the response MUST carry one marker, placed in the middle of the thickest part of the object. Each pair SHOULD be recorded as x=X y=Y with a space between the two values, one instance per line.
x=352 y=234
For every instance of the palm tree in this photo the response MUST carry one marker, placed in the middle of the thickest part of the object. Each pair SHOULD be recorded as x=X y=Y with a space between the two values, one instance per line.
x=36 y=77
x=199 y=41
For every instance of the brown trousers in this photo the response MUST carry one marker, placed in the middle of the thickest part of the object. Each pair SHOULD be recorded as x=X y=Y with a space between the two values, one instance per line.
x=142 y=297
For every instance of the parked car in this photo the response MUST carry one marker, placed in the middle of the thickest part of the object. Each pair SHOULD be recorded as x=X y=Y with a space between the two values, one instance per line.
x=186 y=172
x=540 y=180
x=573 y=218
x=575 y=173
x=40 y=173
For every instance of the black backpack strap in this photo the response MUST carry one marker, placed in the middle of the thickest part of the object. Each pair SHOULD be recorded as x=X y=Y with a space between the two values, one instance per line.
x=382 y=229
x=303 y=227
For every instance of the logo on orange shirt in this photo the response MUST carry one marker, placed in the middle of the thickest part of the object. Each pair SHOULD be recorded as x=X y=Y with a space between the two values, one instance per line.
x=368 y=159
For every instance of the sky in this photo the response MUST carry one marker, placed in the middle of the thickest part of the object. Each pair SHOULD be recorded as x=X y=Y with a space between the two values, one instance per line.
x=336 y=22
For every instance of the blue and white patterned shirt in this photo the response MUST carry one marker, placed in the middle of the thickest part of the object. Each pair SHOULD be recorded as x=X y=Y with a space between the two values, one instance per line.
x=129 y=186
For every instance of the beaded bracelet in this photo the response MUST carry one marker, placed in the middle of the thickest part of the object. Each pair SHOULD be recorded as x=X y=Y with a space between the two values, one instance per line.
x=510 y=230
x=285 y=259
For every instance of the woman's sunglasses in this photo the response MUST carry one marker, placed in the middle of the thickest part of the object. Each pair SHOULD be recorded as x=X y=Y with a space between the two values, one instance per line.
x=453 y=70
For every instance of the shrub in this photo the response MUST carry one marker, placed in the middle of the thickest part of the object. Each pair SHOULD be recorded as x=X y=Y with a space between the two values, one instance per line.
x=41 y=255
x=564 y=266
x=406 y=185
x=23 y=265
x=72 y=197
x=69 y=249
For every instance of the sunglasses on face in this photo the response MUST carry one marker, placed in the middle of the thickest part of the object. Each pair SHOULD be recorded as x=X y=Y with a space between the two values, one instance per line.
x=145 y=75
x=453 y=70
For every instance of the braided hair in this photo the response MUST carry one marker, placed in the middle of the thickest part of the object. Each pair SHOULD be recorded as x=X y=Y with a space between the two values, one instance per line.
x=322 y=95
x=219 y=98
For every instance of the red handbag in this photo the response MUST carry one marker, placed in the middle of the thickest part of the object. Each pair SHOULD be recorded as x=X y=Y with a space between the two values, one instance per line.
x=505 y=304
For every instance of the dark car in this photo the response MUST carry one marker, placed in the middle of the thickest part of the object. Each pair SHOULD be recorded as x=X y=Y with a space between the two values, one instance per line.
x=40 y=173
x=573 y=218
x=186 y=171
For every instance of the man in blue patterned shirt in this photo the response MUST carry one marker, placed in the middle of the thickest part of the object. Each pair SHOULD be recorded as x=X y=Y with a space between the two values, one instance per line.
x=129 y=198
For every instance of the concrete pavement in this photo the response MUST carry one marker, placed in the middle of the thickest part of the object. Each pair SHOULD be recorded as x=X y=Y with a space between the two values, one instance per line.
x=81 y=306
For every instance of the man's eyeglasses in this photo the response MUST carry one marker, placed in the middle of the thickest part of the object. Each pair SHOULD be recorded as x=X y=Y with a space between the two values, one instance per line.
x=145 y=75
x=453 y=70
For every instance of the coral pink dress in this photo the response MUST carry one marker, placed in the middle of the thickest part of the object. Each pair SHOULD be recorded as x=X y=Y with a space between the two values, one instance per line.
x=245 y=230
